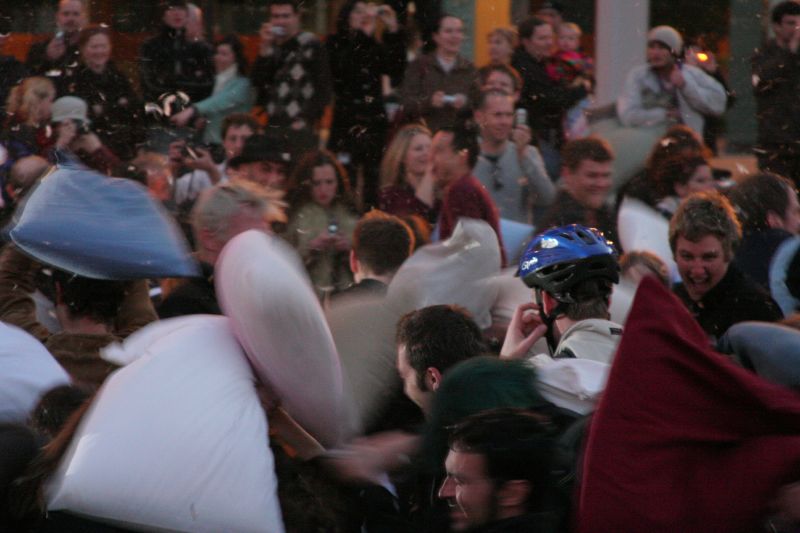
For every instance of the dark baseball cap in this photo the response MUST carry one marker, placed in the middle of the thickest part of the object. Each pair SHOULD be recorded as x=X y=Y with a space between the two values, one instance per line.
x=257 y=148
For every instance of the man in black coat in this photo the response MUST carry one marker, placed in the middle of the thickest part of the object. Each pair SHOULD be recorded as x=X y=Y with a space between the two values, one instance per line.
x=53 y=56
x=776 y=84
x=170 y=62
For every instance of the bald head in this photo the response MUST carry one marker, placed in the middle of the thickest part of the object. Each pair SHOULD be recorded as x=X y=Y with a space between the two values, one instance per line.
x=24 y=175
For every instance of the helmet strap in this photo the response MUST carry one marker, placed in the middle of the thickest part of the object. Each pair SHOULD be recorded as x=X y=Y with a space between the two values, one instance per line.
x=549 y=320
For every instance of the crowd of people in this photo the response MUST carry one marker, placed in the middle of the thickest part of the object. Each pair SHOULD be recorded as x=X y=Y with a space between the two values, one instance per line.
x=364 y=149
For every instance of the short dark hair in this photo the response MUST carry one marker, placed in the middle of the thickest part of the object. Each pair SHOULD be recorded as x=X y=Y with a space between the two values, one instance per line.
x=591 y=299
x=382 y=242
x=706 y=213
x=237 y=49
x=441 y=18
x=484 y=96
x=485 y=71
x=755 y=196
x=438 y=336
x=517 y=444
x=239 y=119
x=465 y=137
x=56 y=406
x=591 y=148
x=528 y=26
x=98 y=299
x=789 y=7
x=676 y=170
x=294 y=3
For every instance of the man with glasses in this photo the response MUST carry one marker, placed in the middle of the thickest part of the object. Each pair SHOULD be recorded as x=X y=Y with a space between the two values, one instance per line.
x=509 y=167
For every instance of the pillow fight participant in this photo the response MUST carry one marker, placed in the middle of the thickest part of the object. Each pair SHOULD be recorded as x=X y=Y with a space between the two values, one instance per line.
x=92 y=313
x=572 y=270
x=770 y=214
x=499 y=472
x=265 y=160
x=586 y=182
x=509 y=167
x=381 y=243
x=220 y=214
x=704 y=234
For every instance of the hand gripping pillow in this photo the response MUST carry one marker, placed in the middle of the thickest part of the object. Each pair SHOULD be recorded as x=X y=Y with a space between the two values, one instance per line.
x=279 y=322
x=176 y=440
x=27 y=371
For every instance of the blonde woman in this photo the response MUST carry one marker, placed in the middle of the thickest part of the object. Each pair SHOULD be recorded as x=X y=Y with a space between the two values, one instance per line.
x=407 y=186
x=28 y=108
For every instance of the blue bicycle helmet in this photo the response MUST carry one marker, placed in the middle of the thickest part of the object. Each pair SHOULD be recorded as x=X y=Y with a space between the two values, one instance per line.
x=558 y=259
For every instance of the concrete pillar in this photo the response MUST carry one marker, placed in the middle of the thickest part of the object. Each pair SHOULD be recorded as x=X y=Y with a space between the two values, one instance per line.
x=620 y=43
x=749 y=19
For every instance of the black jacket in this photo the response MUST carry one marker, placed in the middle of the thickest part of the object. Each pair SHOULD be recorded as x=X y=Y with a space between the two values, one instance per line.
x=357 y=63
x=754 y=254
x=11 y=73
x=171 y=63
x=776 y=80
x=38 y=64
x=566 y=210
x=734 y=299
x=546 y=100
x=114 y=108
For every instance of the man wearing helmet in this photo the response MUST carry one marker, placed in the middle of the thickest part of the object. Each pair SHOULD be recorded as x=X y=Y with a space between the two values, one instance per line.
x=572 y=270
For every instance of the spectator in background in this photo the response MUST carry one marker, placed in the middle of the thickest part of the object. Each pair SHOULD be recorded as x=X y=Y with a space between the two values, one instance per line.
x=665 y=91
x=73 y=139
x=12 y=72
x=265 y=159
x=195 y=30
x=455 y=152
x=407 y=184
x=776 y=84
x=499 y=78
x=169 y=62
x=204 y=172
x=53 y=56
x=508 y=166
x=113 y=107
x=292 y=75
x=321 y=220
x=585 y=184
x=769 y=212
x=437 y=85
x=552 y=13
x=231 y=94
x=359 y=61
x=704 y=234
x=502 y=42
x=27 y=115
x=25 y=173
x=381 y=243
x=634 y=266
x=571 y=66
x=546 y=100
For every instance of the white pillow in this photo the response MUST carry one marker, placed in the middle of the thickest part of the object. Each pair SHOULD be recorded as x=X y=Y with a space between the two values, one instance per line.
x=278 y=320
x=176 y=440
x=27 y=371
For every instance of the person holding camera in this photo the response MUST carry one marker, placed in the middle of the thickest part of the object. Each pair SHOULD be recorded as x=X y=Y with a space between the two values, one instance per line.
x=292 y=75
x=436 y=85
x=321 y=220
x=52 y=57
x=72 y=138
